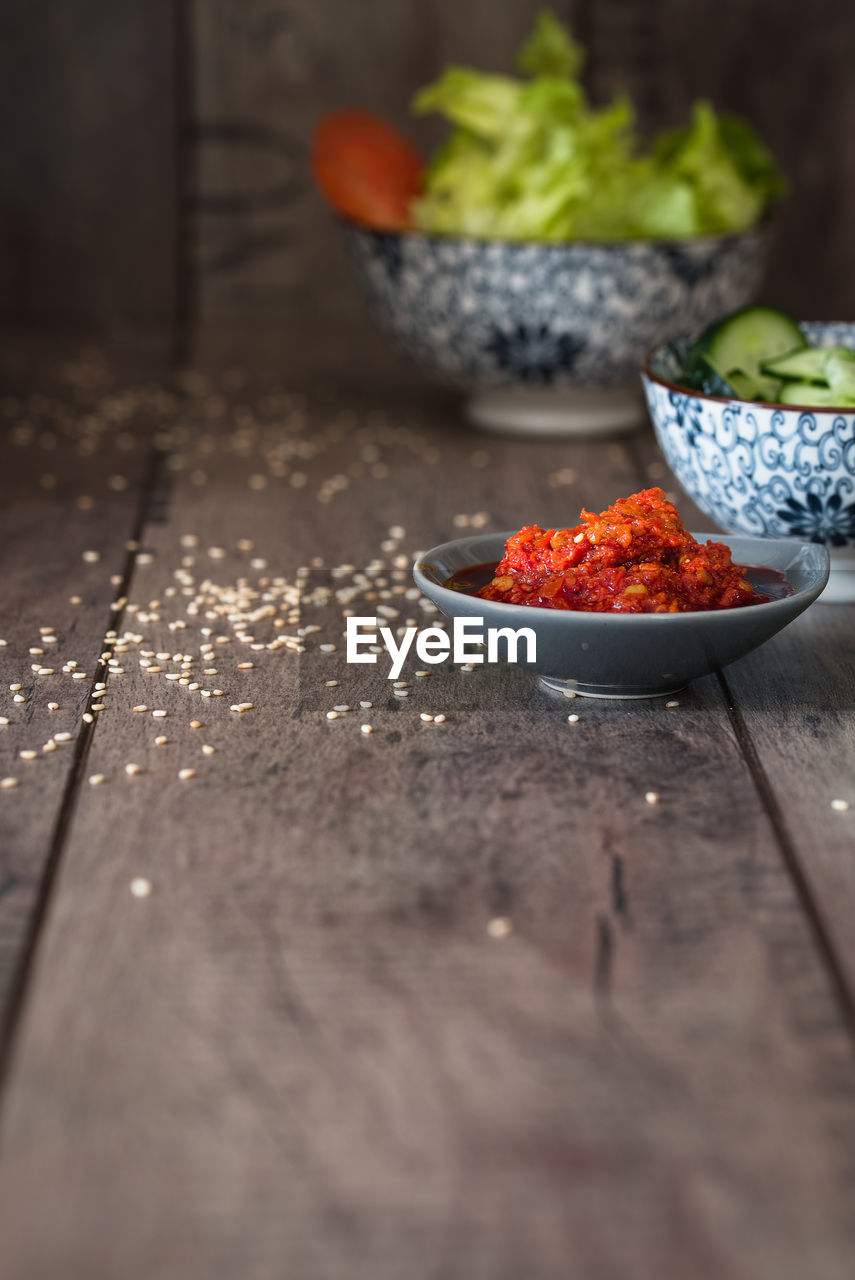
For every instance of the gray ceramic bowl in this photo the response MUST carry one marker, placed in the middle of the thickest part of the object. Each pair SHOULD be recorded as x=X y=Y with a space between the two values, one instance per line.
x=766 y=470
x=608 y=655
x=549 y=337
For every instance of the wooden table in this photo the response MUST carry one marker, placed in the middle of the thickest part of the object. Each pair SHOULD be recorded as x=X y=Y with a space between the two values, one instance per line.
x=310 y=1052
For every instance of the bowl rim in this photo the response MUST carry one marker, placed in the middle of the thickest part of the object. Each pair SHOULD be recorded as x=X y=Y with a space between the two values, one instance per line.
x=442 y=237
x=521 y=611
x=647 y=372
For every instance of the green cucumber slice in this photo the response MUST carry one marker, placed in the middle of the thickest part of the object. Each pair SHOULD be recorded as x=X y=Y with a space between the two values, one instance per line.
x=805 y=365
x=743 y=384
x=840 y=372
x=748 y=338
x=811 y=396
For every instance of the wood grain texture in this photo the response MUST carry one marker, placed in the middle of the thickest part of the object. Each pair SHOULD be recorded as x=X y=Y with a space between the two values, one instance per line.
x=88 y=165
x=71 y=484
x=304 y=1053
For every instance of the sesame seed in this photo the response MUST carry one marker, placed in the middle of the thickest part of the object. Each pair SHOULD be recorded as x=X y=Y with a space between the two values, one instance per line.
x=8 y=783
x=342 y=706
x=439 y=719
x=195 y=724
x=840 y=806
x=141 y=707
x=78 y=675
x=500 y=927
x=327 y=648
x=19 y=697
x=88 y=718
x=672 y=703
x=160 y=741
x=424 y=716
x=400 y=693
x=574 y=719
x=96 y=779
x=140 y=887
x=62 y=737
x=49 y=746
x=4 y=719
x=27 y=754
x=331 y=715
x=245 y=666
x=91 y=557
x=366 y=728
x=186 y=774
x=652 y=797
x=330 y=684
x=420 y=675
x=158 y=715
x=14 y=687
x=75 y=600
x=207 y=749
x=132 y=770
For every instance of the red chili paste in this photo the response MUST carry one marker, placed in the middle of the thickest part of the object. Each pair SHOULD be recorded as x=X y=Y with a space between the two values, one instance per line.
x=634 y=557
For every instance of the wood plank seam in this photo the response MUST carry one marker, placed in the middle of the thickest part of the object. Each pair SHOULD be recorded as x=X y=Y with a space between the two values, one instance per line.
x=10 y=1015
x=790 y=856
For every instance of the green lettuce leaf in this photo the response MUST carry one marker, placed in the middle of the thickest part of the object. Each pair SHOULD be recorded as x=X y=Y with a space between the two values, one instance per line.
x=532 y=160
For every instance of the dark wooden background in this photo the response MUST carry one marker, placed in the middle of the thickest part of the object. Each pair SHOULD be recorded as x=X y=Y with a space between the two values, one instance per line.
x=153 y=157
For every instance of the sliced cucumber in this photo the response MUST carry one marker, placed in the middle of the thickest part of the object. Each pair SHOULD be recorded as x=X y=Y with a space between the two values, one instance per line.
x=749 y=338
x=814 y=397
x=746 y=387
x=805 y=365
x=840 y=372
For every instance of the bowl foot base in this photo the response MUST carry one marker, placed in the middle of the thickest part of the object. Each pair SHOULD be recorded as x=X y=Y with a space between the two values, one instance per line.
x=584 y=413
x=567 y=688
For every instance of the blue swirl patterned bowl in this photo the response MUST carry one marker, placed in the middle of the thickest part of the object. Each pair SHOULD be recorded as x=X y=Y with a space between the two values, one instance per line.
x=767 y=470
x=549 y=338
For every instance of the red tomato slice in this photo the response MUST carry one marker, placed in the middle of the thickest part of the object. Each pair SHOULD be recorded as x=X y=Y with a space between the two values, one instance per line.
x=366 y=169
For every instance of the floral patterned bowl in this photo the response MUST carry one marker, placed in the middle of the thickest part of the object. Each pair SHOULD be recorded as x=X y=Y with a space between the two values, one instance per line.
x=766 y=470
x=549 y=338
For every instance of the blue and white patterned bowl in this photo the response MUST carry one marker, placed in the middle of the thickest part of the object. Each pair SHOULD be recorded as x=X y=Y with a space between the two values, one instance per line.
x=767 y=470
x=532 y=330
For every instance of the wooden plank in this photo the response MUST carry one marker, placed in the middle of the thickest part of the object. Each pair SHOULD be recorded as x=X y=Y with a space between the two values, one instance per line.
x=72 y=477
x=304 y=1049
x=88 y=166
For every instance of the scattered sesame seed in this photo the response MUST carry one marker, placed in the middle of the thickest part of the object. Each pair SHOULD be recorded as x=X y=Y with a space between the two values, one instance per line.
x=49 y=746
x=574 y=719
x=140 y=887
x=424 y=716
x=88 y=718
x=331 y=715
x=78 y=675
x=75 y=599
x=439 y=719
x=207 y=749
x=132 y=770
x=420 y=675
x=141 y=707
x=840 y=806
x=27 y=754
x=366 y=728
x=327 y=648
x=8 y=783
x=186 y=774
x=500 y=927
x=652 y=797
x=19 y=697
x=160 y=741
x=4 y=719
x=91 y=557
x=400 y=693
x=672 y=703
x=195 y=724
x=96 y=779
x=158 y=715
x=14 y=687
x=330 y=684
x=62 y=737
x=245 y=666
